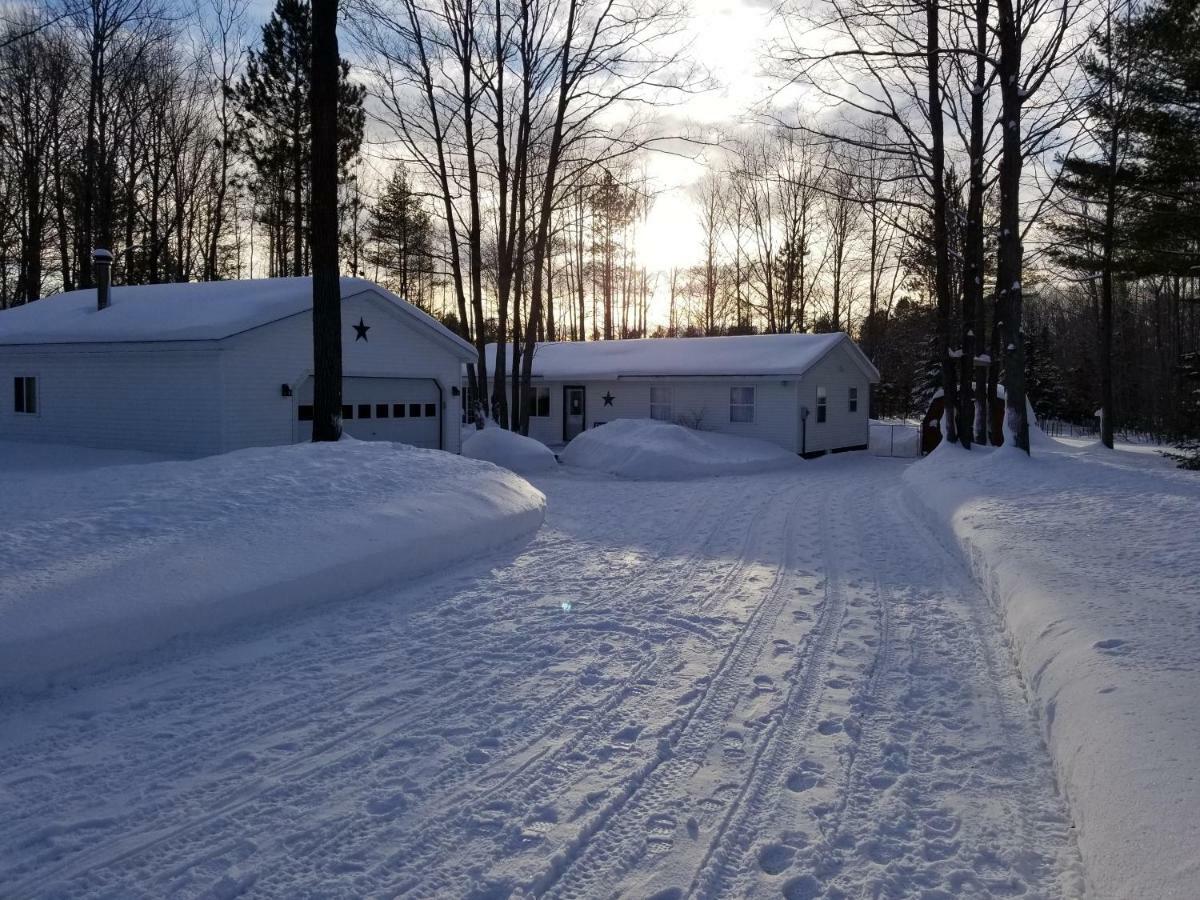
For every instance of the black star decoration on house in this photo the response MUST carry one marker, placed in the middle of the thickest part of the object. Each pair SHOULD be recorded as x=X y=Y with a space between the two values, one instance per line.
x=608 y=398
x=361 y=328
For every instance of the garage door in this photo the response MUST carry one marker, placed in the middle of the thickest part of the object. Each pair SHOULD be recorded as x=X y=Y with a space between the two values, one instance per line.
x=407 y=410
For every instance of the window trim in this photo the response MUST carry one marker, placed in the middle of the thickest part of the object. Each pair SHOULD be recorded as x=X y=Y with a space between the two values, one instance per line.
x=852 y=400
x=535 y=398
x=822 y=404
x=670 y=403
x=752 y=405
x=24 y=381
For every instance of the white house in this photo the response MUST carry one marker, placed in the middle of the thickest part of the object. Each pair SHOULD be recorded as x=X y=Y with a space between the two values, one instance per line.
x=806 y=392
x=198 y=369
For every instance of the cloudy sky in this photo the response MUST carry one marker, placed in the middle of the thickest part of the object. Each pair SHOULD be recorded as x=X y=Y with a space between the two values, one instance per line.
x=728 y=37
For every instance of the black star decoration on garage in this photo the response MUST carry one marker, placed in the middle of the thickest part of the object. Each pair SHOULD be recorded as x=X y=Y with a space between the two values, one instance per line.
x=361 y=328
x=608 y=398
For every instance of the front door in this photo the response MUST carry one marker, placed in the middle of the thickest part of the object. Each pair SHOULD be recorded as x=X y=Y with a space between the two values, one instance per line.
x=573 y=406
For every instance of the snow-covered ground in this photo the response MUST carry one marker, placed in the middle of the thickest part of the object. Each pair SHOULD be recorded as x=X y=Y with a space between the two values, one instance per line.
x=99 y=562
x=649 y=449
x=1093 y=558
x=765 y=686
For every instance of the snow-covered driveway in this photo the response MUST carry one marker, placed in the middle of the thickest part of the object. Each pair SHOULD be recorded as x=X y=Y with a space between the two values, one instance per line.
x=767 y=686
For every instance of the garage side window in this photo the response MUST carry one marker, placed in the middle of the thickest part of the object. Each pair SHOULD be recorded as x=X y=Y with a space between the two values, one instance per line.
x=539 y=402
x=822 y=404
x=741 y=404
x=660 y=404
x=853 y=404
x=25 y=394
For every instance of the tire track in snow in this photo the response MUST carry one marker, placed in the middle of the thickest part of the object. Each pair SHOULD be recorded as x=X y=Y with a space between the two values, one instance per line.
x=619 y=838
x=317 y=761
x=728 y=852
x=547 y=774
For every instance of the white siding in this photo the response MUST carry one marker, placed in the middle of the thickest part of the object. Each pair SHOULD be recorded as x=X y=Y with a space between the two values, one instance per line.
x=154 y=397
x=837 y=372
x=703 y=404
x=256 y=365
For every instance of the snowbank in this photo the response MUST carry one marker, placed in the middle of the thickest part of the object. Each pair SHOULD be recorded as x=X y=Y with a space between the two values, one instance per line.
x=648 y=449
x=106 y=562
x=1093 y=560
x=508 y=449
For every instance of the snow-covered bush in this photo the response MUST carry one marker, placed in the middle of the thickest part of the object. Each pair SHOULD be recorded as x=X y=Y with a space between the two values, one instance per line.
x=510 y=450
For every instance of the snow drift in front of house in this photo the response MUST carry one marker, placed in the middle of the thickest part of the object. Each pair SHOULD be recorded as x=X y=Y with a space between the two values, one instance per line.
x=653 y=450
x=103 y=563
x=1093 y=560
x=508 y=449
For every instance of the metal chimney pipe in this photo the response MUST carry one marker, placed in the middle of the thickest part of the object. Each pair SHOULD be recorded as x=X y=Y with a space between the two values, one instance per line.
x=102 y=263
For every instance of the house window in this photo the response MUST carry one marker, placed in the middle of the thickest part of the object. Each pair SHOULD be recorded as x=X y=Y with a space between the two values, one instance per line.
x=741 y=404
x=25 y=397
x=660 y=404
x=414 y=410
x=539 y=402
x=305 y=412
x=364 y=410
x=398 y=410
x=853 y=405
x=347 y=412
x=381 y=410
x=821 y=404
x=431 y=410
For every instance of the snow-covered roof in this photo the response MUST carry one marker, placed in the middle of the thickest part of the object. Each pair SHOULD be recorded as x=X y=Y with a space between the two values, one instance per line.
x=754 y=355
x=193 y=311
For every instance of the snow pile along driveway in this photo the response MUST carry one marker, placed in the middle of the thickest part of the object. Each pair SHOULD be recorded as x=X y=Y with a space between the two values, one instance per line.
x=649 y=449
x=508 y=449
x=115 y=560
x=1093 y=560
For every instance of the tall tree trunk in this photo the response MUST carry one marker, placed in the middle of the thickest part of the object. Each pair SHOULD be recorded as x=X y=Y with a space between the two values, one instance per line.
x=941 y=243
x=327 y=297
x=969 y=421
x=1008 y=247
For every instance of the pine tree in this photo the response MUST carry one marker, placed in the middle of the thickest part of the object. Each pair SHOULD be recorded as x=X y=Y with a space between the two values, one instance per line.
x=276 y=127
x=401 y=232
x=1188 y=442
x=1104 y=184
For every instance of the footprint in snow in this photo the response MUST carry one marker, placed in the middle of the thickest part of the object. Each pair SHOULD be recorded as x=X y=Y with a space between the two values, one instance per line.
x=383 y=806
x=802 y=887
x=764 y=684
x=775 y=858
x=829 y=726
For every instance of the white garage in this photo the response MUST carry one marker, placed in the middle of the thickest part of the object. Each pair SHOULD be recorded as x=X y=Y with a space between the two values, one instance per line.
x=198 y=369
x=408 y=410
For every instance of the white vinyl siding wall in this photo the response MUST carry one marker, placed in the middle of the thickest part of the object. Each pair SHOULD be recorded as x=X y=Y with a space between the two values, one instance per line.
x=837 y=373
x=697 y=403
x=256 y=365
x=153 y=397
